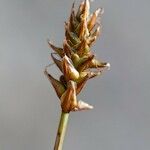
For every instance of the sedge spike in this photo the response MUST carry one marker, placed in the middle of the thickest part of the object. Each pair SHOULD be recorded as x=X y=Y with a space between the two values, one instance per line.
x=76 y=62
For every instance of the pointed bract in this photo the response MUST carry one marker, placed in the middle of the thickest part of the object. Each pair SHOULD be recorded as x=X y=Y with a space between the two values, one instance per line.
x=96 y=32
x=93 y=19
x=83 y=48
x=58 y=86
x=57 y=62
x=58 y=50
x=80 y=11
x=73 y=23
x=67 y=49
x=85 y=64
x=69 y=70
x=83 y=106
x=68 y=99
x=86 y=9
x=81 y=84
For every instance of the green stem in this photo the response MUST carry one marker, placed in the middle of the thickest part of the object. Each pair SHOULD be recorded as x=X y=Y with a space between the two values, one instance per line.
x=61 y=131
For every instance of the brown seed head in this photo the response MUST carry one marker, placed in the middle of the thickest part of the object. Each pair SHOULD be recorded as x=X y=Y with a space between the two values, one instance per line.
x=76 y=60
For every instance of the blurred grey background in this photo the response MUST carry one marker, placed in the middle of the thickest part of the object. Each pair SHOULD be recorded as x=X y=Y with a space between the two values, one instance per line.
x=29 y=108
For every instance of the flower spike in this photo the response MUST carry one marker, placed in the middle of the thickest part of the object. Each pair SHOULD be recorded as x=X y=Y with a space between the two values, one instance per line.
x=77 y=62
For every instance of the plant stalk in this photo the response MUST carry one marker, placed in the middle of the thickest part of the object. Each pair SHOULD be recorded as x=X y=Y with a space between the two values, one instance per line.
x=61 y=131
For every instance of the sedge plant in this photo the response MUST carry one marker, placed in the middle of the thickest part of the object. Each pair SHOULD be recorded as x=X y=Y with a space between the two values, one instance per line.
x=76 y=62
